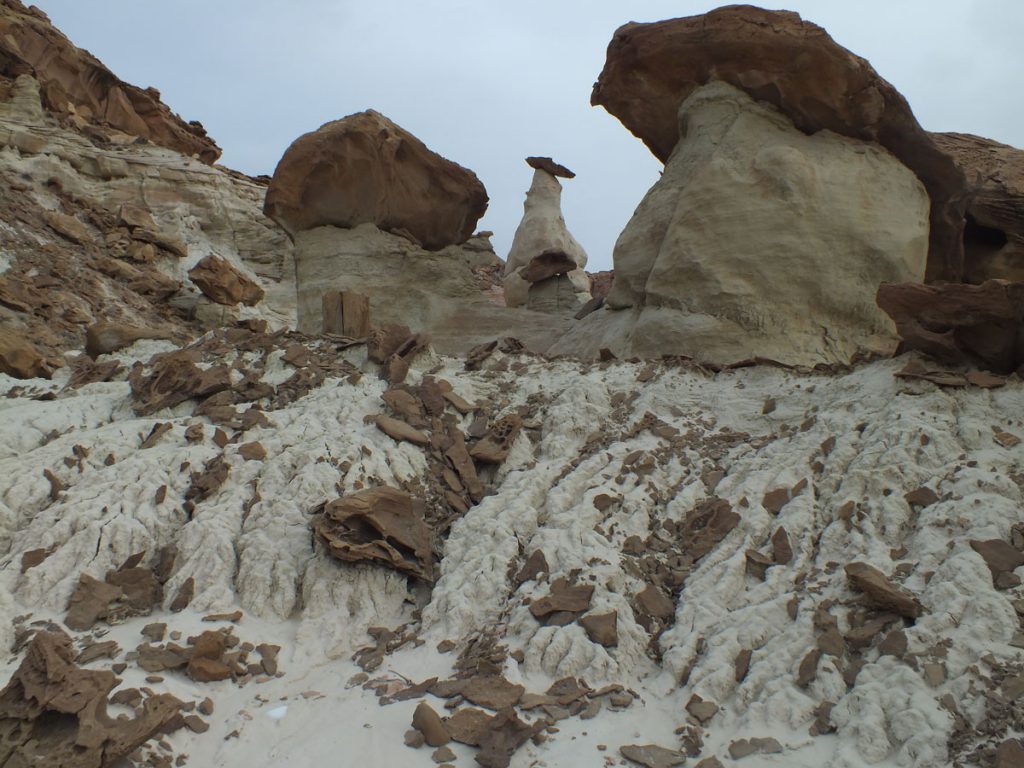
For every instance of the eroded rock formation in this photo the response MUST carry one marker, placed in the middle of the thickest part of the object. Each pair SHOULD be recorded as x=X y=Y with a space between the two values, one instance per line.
x=365 y=169
x=794 y=65
x=82 y=93
x=54 y=713
x=759 y=240
x=994 y=231
x=544 y=269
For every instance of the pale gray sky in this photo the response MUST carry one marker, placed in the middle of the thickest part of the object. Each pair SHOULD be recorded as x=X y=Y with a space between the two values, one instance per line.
x=487 y=83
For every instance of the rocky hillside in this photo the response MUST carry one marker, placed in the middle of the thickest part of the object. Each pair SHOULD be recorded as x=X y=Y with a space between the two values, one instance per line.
x=335 y=485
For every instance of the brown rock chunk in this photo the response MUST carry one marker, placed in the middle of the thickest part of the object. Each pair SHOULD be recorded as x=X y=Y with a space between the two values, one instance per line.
x=956 y=322
x=563 y=597
x=601 y=628
x=92 y=600
x=399 y=430
x=758 y=564
x=384 y=341
x=652 y=756
x=268 y=654
x=700 y=709
x=652 y=68
x=184 y=595
x=173 y=379
x=549 y=165
x=429 y=723
x=379 y=525
x=205 y=670
x=102 y=338
x=492 y=692
x=782 y=552
x=535 y=565
x=999 y=556
x=69 y=227
x=808 y=669
x=503 y=736
x=1010 y=754
x=21 y=359
x=365 y=169
x=880 y=592
x=33 y=557
x=743 y=664
x=253 y=451
x=652 y=602
x=493 y=448
x=54 y=713
x=467 y=725
x=141 y=591
x=224 y=283
x=921 y=497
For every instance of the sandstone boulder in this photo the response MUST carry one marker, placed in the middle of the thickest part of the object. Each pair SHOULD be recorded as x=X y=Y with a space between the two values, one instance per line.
x=994 y=230
x=224 y=283
x=80 y=90
x=792 y=64
x=365 y=169
x=761 y=241
x=542 y=247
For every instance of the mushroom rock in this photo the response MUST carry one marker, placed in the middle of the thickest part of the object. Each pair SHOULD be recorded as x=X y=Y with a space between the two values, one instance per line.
x=994 y=232
x=544 y=269
x=761 y=241
x=792 y=64
x=79 y=89
x=365 y=169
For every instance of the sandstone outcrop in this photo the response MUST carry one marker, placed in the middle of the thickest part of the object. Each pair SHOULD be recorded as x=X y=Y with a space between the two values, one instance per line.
x=792 y=64
x=102 y=232
x=444 y=293
x=365 y=169
x=544 y=269
x=80 y=91
x=994 y=231
x=54 y=713
x=761 y=241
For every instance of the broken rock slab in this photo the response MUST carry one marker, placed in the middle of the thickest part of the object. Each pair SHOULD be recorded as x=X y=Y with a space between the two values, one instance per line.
x=224 y=283
x=384 y=526
x=54 y=713
x=880 y=592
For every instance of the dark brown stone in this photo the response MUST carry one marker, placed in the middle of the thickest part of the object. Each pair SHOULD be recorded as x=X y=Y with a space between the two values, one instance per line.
x=365 y=169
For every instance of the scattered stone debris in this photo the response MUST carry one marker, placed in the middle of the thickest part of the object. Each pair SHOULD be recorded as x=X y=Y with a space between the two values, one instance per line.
x=652 y=756
x=55 y=713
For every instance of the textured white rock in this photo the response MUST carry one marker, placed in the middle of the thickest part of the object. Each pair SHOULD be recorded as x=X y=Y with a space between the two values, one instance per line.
x=209 y=209
x=542 y=229
x=759 y=240
x=891 y=437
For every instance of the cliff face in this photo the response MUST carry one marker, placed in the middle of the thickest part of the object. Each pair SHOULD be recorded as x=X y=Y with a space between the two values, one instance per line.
x=81 y=92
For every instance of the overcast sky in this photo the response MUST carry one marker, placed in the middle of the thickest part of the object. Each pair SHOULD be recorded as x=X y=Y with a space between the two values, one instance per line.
x=488 y=83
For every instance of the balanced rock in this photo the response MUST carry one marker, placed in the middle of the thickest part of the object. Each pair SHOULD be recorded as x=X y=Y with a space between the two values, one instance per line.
x=792 y=64
x=365 y=169
x=761 y=241
x=543 y=249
